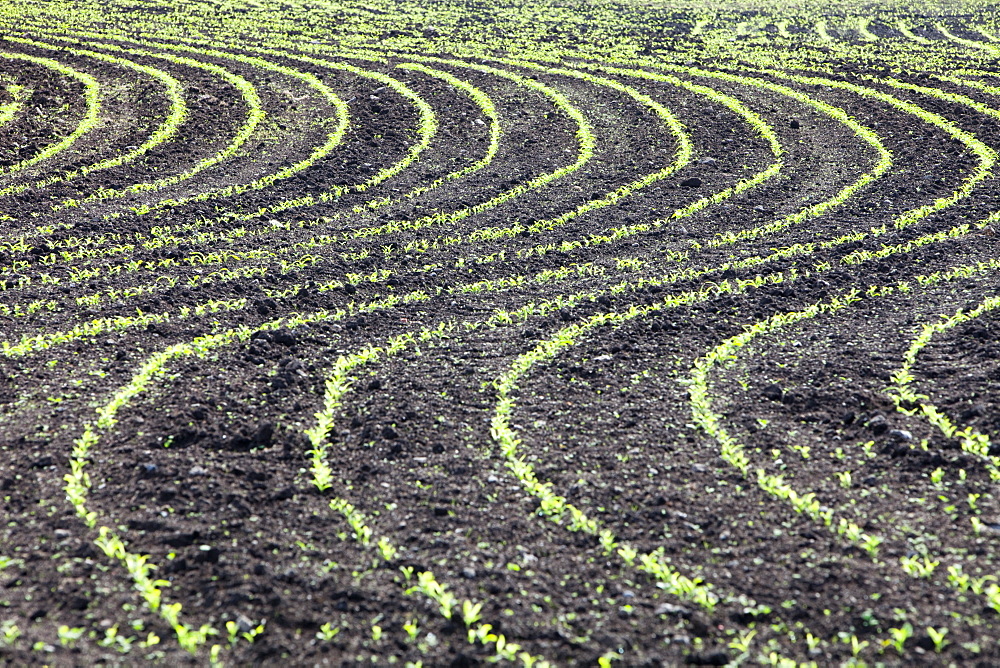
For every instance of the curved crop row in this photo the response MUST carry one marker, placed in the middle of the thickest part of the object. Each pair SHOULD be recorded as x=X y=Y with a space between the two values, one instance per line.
x=420 y=336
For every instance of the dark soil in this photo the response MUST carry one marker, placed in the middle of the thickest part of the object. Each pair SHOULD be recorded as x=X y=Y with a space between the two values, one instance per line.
x=207 y=469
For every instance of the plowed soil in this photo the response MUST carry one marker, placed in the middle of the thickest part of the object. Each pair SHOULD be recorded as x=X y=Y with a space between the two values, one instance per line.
x=206 y=465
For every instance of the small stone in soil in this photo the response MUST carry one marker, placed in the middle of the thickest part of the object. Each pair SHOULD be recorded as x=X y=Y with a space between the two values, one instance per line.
x=670 y=609
x=284 y=337
x=976 y=411
x=878 y=424
x=197 y=470
x=716 y=658
x=773 y=392
x=208 y=554
x=901 y=435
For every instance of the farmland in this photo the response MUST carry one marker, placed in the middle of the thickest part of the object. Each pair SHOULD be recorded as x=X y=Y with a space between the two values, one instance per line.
x=556 y=333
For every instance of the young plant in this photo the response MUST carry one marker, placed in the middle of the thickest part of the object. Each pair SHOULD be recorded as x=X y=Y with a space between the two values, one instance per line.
x=937 y=637
x=327 y=632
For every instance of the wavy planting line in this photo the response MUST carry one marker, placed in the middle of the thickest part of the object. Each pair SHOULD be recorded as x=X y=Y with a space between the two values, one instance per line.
x=733 y=452
x=33 y=343
x=623 y=232
x=556 y=507
x=603 y=202
x=900 y=222
x=904 y=28
x=166 y=236
x=909 y=402
x=989 y=48
x=337 y=385
x=583 y=132
x=30 y=344
x=800 y=249
x=765 y=130
x=863 y=32
x=78 y=482
x=711 y=423
x=92 y=99
x=584 y=135
x=163 y=236
x=486 y=106
x=333 y=140
x=167 y=129
x=426 y=129
x=838 y=114
x=650 y=565
x=986 y=156
x=682 y=157
x=255 y=116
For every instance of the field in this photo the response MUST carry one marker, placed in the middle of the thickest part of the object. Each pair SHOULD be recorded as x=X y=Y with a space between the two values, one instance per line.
x=552 y=333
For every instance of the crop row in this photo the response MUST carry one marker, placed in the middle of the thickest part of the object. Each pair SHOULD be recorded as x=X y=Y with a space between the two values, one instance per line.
x=255 y=355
